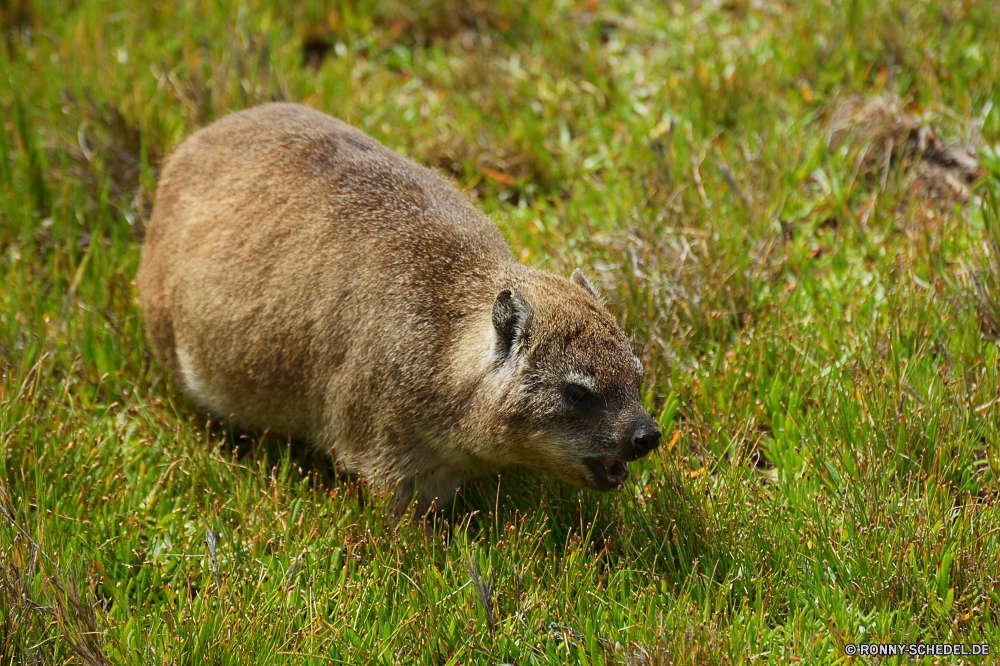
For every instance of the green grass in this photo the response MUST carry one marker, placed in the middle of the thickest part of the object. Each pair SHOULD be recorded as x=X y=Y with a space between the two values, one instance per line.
x=820 y=337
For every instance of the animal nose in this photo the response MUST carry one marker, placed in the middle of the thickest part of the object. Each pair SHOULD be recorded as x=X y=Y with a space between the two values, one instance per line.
x=646 y=440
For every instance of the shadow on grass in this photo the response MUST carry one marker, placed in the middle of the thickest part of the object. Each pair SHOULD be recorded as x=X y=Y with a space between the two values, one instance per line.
x=659 y=528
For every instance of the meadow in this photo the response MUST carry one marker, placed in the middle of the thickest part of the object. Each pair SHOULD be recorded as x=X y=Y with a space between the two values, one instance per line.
x=790 y=206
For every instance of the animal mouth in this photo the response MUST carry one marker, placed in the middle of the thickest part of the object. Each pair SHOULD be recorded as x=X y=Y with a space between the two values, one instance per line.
x=609 y=473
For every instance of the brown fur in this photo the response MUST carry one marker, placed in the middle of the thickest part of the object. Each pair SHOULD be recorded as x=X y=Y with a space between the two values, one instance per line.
x=299 y=276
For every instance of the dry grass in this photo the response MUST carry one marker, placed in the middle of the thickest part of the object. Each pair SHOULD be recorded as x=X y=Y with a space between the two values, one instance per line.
x=63 y=608
x=887 y=138
x=985 y=276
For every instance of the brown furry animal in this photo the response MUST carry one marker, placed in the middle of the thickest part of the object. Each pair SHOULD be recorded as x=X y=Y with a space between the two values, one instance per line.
x=301 y=277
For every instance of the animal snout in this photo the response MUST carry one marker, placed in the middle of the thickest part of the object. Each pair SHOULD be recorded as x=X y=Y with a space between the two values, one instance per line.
x=646 y=439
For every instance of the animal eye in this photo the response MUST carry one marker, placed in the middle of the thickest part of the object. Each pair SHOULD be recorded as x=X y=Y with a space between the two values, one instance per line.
x=579 y=396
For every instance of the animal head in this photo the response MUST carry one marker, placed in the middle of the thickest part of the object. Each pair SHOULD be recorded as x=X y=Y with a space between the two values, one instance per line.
x=572 y=403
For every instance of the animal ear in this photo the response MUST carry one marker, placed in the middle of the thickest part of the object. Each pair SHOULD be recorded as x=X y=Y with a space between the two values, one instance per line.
x=580 y=279
x=512 y=316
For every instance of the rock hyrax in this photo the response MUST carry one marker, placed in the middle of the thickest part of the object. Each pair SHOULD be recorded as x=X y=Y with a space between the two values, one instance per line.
x=300 y=277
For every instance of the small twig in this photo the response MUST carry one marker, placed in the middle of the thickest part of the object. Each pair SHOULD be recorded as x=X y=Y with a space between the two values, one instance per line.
x=695 y=163
x=32 y=374
x=984 y=407
x=290 y=574
x=696 y=174
x=81 y=138
x=414 y=583
x=210 y=542
x=727 y=174
x=944 y=350
x=913 y=394
x=444 y=599
x=483 y=591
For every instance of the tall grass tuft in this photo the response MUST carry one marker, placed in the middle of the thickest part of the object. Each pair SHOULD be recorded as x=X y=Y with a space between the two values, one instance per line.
x=986 y=277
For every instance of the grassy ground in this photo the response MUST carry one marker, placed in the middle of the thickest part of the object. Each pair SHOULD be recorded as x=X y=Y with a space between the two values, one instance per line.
x=773 y=196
